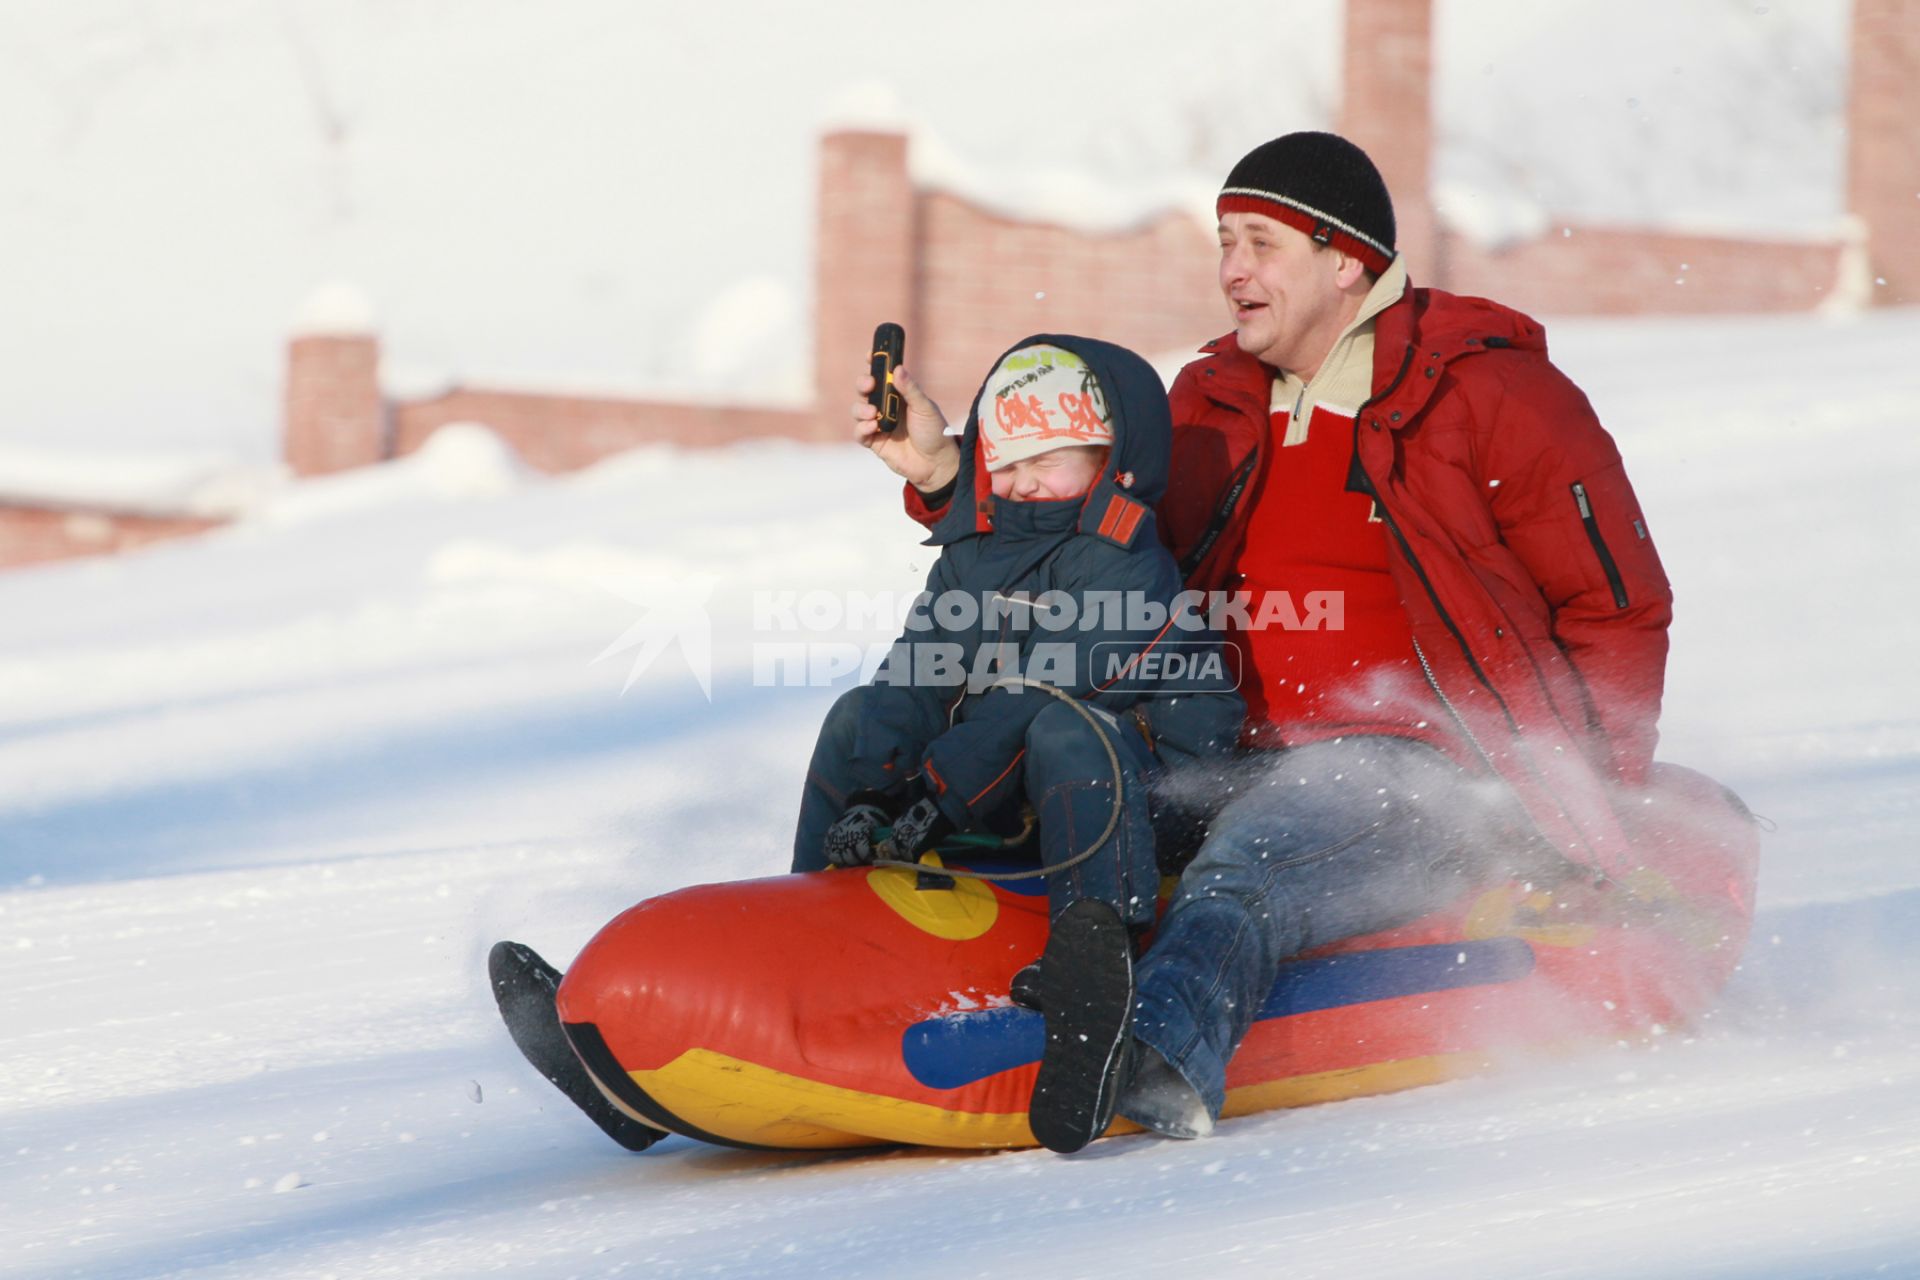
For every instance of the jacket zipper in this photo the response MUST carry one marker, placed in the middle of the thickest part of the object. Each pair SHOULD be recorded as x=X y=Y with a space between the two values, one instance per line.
x=1466 y=651
x=1357 y=472
x=1222 y=514
x=1600 y=545
x=1434 y=684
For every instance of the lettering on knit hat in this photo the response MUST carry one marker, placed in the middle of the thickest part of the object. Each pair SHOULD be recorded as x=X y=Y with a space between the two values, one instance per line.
x=1038 y=399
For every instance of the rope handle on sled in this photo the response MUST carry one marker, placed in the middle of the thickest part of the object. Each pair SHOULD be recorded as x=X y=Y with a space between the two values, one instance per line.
x=994 y=842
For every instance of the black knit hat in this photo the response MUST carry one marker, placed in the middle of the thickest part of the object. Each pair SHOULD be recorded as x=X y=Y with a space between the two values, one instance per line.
x=1319 y=184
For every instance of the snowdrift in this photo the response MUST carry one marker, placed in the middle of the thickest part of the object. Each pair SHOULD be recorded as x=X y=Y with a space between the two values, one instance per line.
x=856 y=1008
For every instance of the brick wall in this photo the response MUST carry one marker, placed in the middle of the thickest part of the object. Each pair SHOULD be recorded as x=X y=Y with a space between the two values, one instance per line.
x=966 y=281
x=979 y=280
x=1883 y=142
x=563 y=433
x=33 y=535
x=1626 y=271
x=984 y=281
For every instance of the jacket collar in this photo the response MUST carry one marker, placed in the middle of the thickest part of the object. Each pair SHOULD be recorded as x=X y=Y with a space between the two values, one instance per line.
x=1025 y=521
x=1344 y=380
x=1233 y=377
x=1422 y=329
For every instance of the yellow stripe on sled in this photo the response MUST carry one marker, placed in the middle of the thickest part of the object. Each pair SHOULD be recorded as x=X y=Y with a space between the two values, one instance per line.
x=1353 y=1082
x=746 y=1102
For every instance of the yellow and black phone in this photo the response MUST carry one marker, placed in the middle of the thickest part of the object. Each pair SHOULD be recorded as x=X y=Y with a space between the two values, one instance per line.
x=889 y=348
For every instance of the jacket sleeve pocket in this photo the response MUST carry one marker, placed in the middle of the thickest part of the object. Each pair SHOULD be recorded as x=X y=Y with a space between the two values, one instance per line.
x=1584 y=503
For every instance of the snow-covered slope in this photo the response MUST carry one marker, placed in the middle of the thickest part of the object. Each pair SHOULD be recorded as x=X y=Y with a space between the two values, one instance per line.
x=266 y=797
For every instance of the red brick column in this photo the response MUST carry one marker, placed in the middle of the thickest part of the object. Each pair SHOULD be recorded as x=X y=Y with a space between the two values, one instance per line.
x=1883 y=151
x=335 y=417
x=863 y=264
x=1387 y=110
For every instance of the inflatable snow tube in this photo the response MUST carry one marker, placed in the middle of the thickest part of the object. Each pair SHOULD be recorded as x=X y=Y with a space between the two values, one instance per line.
x=869 y=1007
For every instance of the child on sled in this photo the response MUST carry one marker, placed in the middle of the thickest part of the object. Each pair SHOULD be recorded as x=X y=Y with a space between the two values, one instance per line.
x=1051 y=573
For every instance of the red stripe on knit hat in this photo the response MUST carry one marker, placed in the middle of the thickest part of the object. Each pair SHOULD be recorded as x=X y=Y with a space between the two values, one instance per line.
x=1309 y=222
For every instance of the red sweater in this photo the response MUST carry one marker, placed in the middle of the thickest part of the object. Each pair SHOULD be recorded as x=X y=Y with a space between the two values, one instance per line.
x=1335 y=655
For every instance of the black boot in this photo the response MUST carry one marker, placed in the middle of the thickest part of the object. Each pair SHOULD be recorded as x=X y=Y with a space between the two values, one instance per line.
x=1086 y=996
x=1024 y=987
x=1024 y=990
x=524 y=986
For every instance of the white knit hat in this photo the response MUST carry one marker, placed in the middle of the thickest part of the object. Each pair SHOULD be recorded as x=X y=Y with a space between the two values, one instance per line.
x=1038 y=399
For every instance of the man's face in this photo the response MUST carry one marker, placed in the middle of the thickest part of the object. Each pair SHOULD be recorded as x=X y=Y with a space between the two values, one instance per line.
x=1282 y=290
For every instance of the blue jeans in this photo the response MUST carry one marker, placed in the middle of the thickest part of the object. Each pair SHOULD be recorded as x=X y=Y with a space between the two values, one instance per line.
x=876 y=735
x=1320 y=843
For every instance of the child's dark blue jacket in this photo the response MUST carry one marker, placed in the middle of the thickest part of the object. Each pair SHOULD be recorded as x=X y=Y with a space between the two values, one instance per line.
x=1121 y=652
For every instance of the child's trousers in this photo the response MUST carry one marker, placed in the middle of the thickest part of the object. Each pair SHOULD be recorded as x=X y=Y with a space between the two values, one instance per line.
x=876 y=735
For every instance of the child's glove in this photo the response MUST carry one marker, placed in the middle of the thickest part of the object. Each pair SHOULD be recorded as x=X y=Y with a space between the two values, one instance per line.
x=919 y=828
x=849 y=841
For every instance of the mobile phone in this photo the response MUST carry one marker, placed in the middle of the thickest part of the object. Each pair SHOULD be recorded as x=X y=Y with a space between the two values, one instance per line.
x=889 y=348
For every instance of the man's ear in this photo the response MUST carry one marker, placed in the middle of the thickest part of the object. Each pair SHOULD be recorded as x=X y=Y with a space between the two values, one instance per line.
x=1348 y=271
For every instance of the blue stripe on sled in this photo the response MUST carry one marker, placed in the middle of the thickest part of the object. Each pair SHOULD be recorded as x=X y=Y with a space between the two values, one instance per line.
x=956 y=1050
x=1361 y=977
x=946 y=1053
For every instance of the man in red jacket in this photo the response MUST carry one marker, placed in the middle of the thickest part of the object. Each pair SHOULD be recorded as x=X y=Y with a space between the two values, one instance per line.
x=1449 y=614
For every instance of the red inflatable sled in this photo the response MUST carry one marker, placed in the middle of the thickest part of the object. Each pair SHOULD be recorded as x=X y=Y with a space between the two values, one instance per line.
x=859 y=1008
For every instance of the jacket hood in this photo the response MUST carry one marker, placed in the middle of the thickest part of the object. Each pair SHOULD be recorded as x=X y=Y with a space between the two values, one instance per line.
x=1429 y=329
x=1119 y=506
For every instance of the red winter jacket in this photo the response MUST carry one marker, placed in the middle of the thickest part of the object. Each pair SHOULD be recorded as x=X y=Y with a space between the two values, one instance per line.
x=1537 y=602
